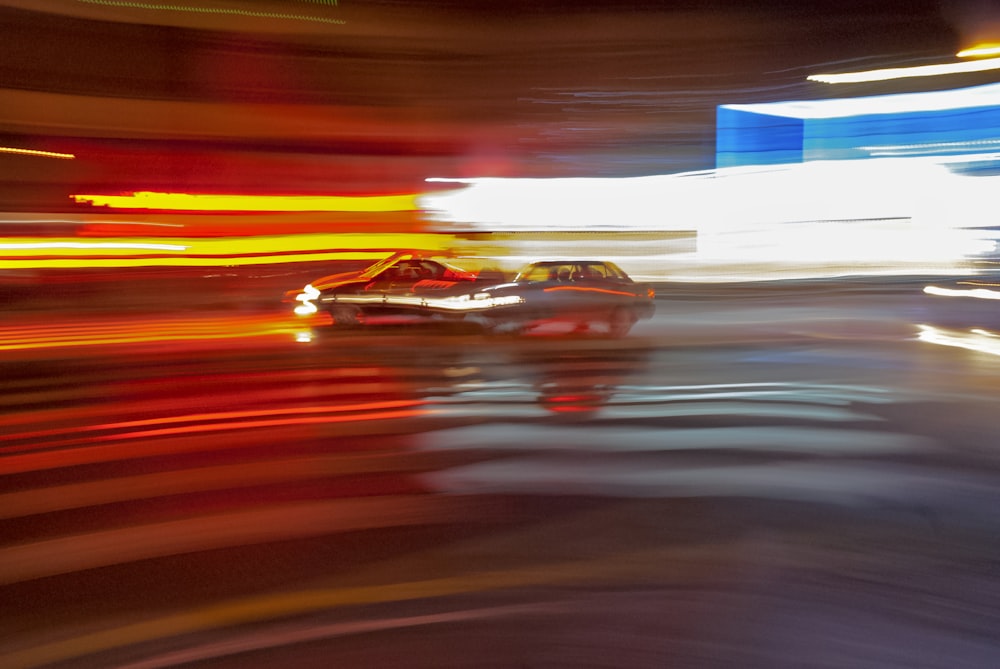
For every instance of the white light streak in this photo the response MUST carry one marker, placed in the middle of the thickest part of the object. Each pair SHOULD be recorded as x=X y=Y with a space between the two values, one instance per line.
x=980 y=293
x=451 y=303
x=987 y=95
x=903 y=72
x=972 y=342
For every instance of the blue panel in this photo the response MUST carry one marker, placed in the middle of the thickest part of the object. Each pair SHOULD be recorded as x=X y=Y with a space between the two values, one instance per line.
x=749 y=138
x=752 y=135
x=940 y=132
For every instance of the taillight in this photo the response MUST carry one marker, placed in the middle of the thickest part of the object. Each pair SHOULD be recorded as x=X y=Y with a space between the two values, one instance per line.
x=650 y=293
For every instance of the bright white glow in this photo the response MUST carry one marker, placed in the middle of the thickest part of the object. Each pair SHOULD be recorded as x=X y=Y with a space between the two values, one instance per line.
x=305 y=309
x=92 y=245
x=974 y=341
x=903 y=72
x=981 y=293
x=960 y=98
x=451 y=303
x=820 y=218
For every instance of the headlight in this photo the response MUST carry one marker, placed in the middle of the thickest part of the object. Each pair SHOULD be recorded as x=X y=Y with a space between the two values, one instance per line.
x=307 y=308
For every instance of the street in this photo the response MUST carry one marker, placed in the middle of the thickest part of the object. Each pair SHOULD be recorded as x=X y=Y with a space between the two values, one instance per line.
x=774 y=475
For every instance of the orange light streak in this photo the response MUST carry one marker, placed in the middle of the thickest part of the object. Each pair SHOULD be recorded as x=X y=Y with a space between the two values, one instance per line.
x=54 y=336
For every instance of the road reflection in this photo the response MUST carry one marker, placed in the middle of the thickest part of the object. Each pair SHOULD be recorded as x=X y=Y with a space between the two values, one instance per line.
x=431 y=477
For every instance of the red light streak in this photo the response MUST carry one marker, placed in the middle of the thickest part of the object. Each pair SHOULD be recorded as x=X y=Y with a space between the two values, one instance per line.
x=49 y=459
x=203 y=417
x=590 y=290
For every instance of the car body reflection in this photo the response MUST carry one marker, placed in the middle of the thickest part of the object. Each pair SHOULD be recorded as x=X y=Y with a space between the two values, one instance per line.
x=574 y=293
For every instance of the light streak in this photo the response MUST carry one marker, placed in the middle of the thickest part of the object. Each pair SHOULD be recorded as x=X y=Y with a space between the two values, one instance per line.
x=979 y=344
x=209 y=421
x=109 y=452
x=904 y=72
x=33 y=152
x=47 y=253
x=71 y=221
x=451 y=303
x=25 y=338
x=590 y=290
x=932 y=147
x=980 y=50
x=214 y=10
x=981 y=293
x=91 y=245
x=224 y=202
x=986 y=95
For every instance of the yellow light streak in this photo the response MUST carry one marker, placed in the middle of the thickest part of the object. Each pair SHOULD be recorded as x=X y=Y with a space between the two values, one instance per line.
x=903 y=72
x=222 y=202
x=980 y=50
x=33 y=152
x=213 y=251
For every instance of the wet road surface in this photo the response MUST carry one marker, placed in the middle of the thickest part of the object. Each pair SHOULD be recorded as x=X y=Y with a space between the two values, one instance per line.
x=754 y=478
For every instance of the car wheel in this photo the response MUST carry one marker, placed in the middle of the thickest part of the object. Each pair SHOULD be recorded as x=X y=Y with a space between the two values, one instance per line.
x=620 y=322
x=345 y=315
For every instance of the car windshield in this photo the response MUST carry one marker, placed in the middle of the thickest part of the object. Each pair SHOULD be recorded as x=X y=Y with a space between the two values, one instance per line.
x=382 y=264
x=570 y=271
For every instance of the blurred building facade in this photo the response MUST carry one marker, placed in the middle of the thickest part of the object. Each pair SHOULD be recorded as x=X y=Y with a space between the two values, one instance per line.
x=957 y=122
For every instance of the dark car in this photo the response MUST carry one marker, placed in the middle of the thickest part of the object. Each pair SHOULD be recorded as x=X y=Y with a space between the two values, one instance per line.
x=574 y=293
x=401 y=273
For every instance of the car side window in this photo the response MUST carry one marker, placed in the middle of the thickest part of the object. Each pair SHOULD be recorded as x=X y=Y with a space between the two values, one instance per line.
x=431 y=270
x=539 y=273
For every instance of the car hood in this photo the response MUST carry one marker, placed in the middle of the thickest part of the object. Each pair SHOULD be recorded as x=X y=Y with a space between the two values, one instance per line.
x=334 y=280
x=327 y=282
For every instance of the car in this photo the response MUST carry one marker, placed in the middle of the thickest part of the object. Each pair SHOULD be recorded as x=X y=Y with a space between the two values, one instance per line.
x=575 y=293
x=399 y=274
